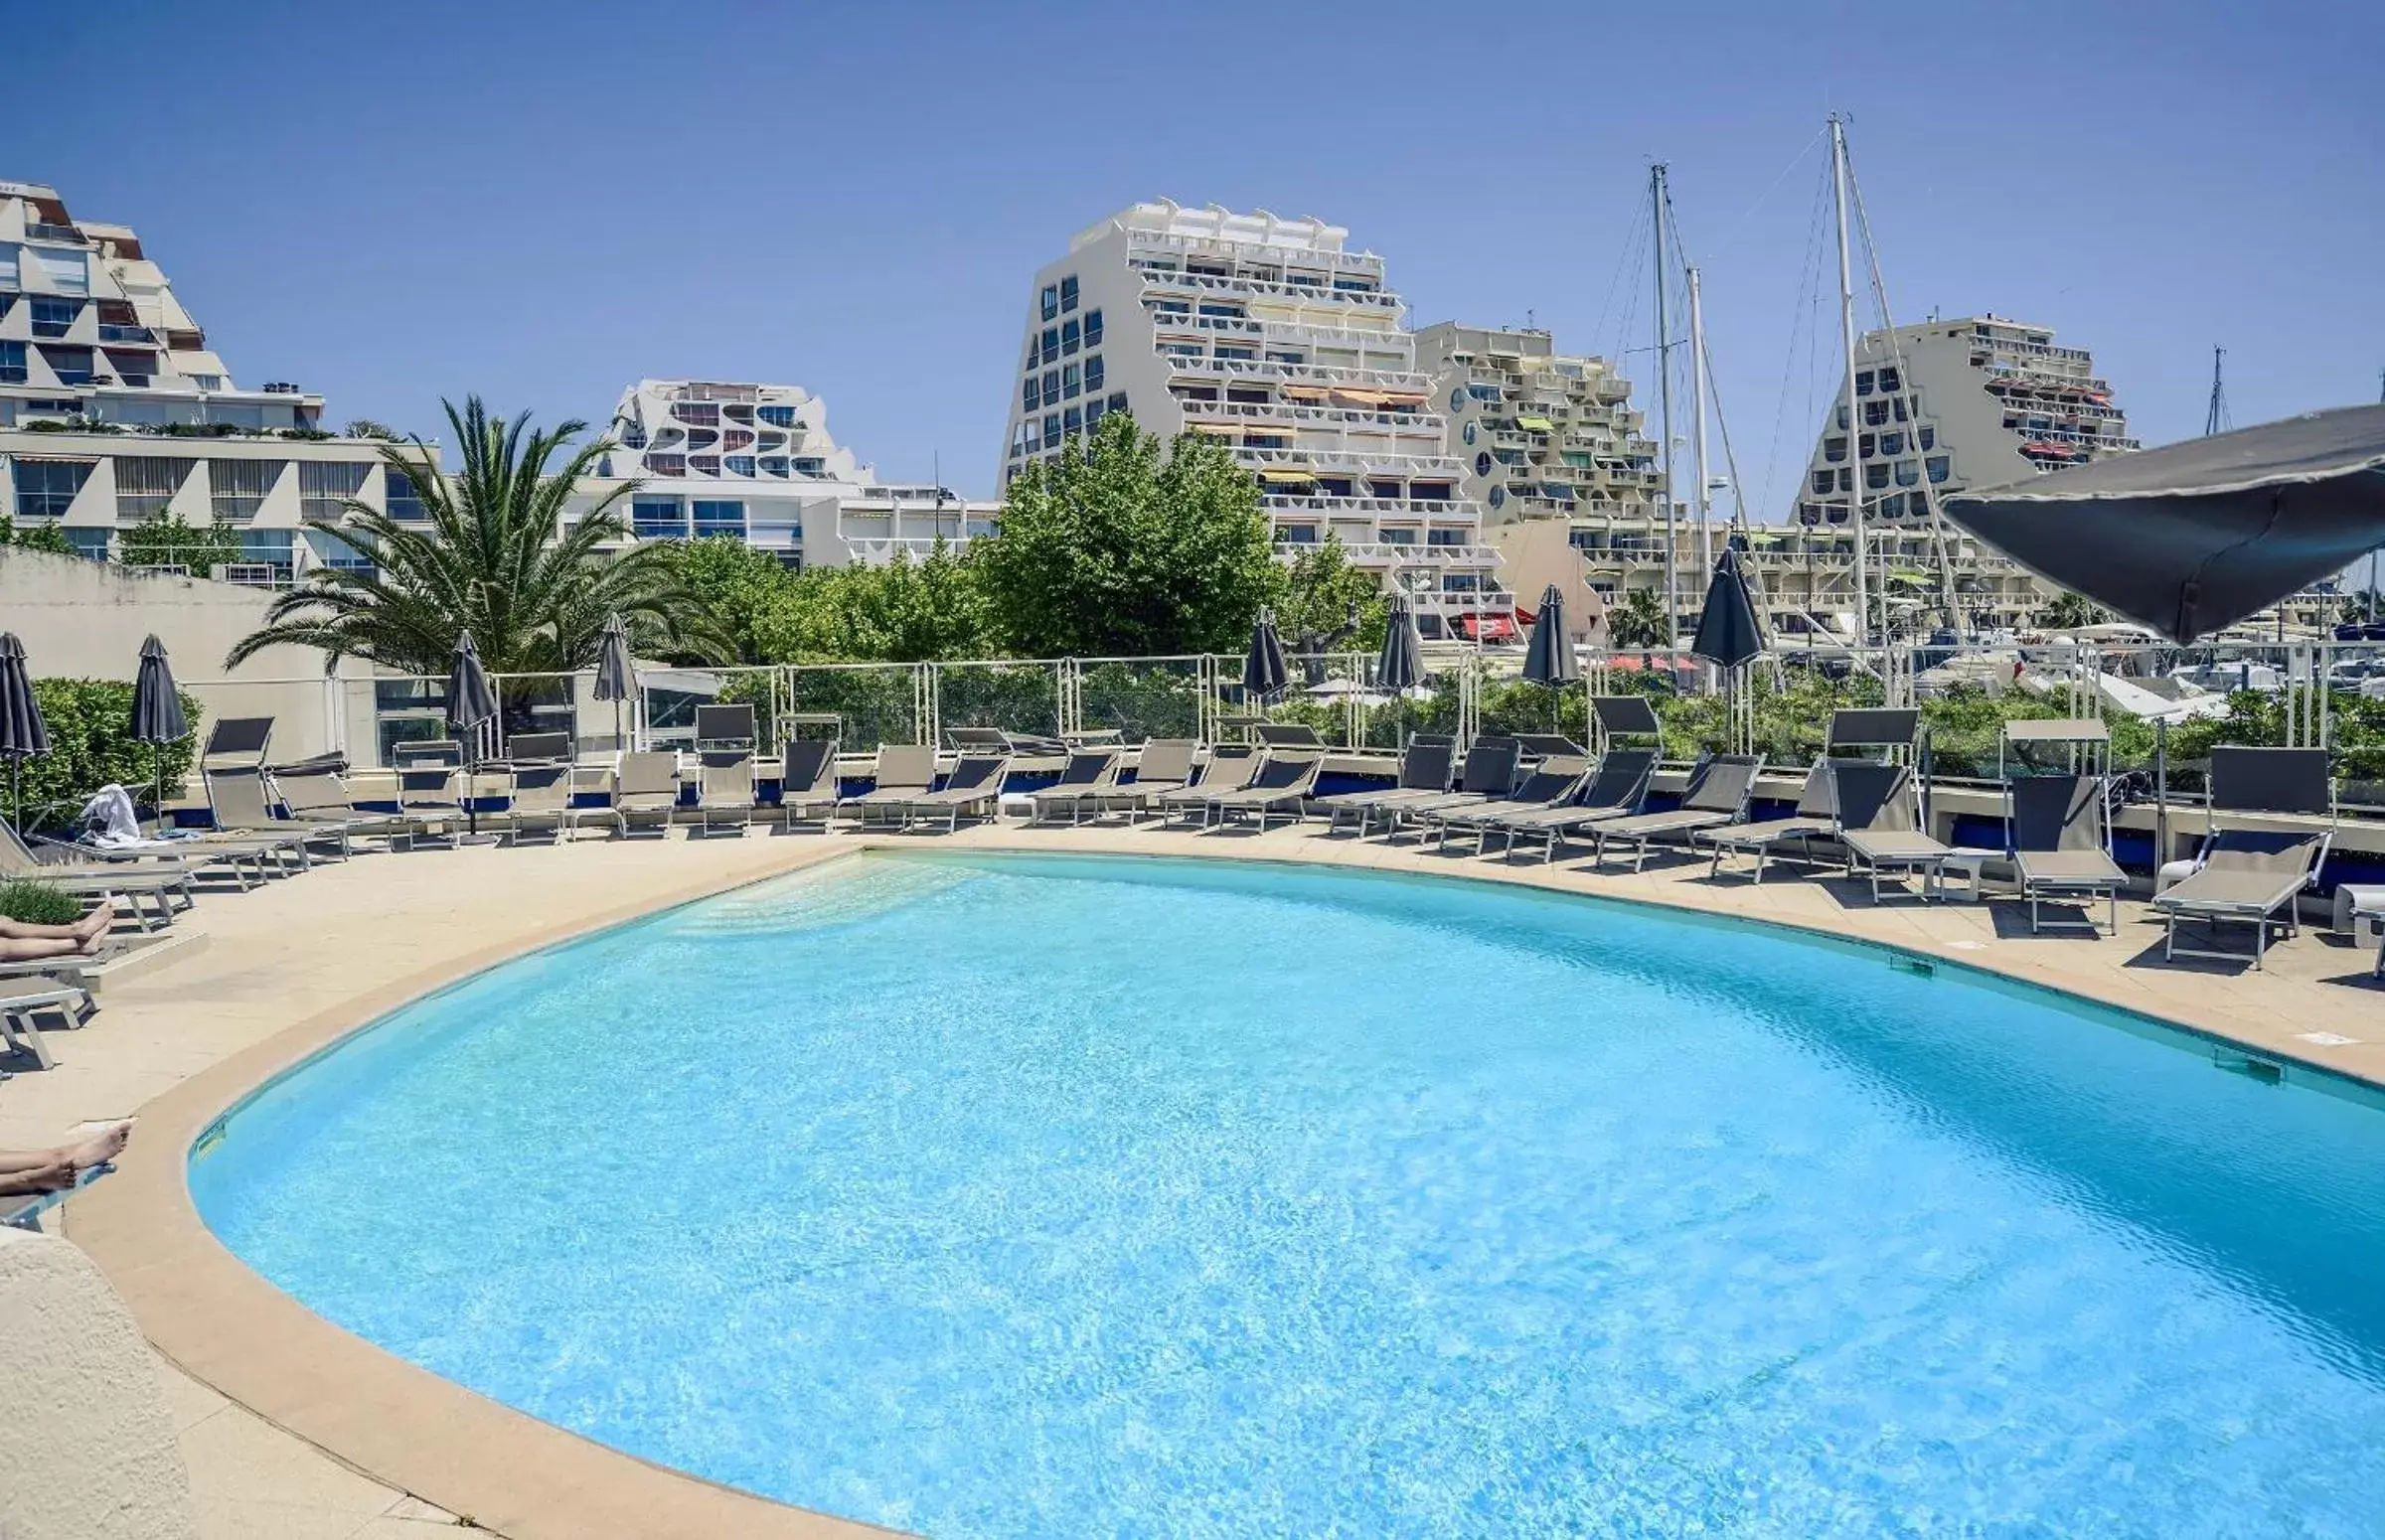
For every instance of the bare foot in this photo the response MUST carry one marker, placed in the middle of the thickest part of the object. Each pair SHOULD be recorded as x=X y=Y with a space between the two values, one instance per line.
x=95 y=924
x=102 y=1144
x=41 y=1179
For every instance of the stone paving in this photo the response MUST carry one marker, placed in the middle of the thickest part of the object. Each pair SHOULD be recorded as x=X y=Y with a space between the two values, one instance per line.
x=305 y=960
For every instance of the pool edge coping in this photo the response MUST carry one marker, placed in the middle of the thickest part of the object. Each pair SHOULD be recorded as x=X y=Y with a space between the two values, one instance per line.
x=207 y=1313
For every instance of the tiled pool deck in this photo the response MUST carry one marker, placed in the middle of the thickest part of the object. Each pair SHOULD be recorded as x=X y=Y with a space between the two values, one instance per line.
x=294 y=1429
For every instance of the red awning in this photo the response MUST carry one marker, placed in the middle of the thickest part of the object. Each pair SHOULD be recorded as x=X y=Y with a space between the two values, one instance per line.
x=1487 y=628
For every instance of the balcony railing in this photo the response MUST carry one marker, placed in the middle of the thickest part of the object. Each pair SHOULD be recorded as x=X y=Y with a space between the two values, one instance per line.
x=1338 y=417
x=1378 y=300
x=1317 y=373
x=1314 y=503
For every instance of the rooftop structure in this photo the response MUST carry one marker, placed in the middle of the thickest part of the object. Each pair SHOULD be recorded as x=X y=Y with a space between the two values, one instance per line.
x=1953 y=404
x=1277 y=338
x=755 y=462
x=114 y=409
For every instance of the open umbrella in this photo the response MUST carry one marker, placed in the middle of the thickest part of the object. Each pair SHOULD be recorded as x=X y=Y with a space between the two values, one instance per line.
x=1728 y=632
x=157 y=714
x=471 y=707
x=23 y=734
x=1263 y=671
x=616 y=675
x=2196 y=536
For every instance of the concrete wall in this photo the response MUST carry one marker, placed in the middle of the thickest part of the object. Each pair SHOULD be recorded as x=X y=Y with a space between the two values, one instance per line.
x=87 y=1448
x=1536 y=552
x=86 y=619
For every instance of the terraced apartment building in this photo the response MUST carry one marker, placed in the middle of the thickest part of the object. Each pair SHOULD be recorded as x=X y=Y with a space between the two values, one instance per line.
x=114 y=407
x=1276 y=338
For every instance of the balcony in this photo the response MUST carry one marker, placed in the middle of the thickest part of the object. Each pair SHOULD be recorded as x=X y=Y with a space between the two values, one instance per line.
x=1434 y=464
x=1376 y=299
x=110 y=331
x=36 y=230
x=1271 y=412
x=1281 y=503
x=1314 y=373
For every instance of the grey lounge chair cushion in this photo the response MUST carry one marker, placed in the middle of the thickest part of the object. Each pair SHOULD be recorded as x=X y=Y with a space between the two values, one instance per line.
x=1894 y=845
x=2248 y=869
x=1647 y=825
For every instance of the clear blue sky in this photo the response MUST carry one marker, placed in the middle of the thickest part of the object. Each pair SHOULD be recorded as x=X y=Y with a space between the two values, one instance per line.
x=543 y=202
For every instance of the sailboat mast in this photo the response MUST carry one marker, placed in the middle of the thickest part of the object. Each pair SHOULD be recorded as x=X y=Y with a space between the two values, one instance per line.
x=1698 y=421
x=1855 y=425
x=1672 y=608
x=2216 y=415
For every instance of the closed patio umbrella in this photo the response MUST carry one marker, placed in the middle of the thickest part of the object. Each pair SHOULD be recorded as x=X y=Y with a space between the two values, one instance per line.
x=157 y=715
x=1399 y=666
x=471 y=705
x=1549 y=660
x=616 y=674
x=1728 y=632
x=2196 y=536
x=1263 y=670
x=23 y=734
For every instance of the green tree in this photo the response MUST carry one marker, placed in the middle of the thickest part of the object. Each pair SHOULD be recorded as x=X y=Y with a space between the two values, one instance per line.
x=1639 y=621
x=1114 y=550
x=495 y=562
x=1320 y=595
x=735 y=586
x=366 y=427
x=165 y=539
x=2068 y=610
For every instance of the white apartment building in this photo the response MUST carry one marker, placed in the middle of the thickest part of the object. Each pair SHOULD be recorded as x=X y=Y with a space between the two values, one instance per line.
x=1274 y=337
x=755 y=462
x=1950 y=404
x=114 y=407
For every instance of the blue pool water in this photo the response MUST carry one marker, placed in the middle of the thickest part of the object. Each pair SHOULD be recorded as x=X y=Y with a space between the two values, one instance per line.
x=1004 y=1197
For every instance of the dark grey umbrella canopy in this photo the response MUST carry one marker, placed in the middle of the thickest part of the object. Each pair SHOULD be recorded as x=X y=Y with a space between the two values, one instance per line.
x=1400 y=664
x=157 y=714
x=23 y=734
x=470 y=700
x=2197 y=535
x=1549 y=660
x=615 y=676
x=1263 y=671
x=1728 y=632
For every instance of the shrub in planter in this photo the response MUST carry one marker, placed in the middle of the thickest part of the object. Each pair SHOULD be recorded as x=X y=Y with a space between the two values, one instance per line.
x=38 y=903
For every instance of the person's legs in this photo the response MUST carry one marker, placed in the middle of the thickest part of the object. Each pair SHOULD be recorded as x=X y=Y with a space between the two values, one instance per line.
x=89 y=925
x=13 y=951
x=101 y=1144
x=56 y=1176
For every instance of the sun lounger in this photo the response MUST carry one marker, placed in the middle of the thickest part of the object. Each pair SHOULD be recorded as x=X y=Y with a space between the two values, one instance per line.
x=1165 y=765
x=1552 y=785
x=1085 y=775
x=161 y=883
x=645 y=785
x=540 y=798
x=2059 y=835
x=725 y=787
x=241 y=800
x=1280 y=785
x=1717 y=796
x=1424 y=770
x=1224 y=773
x=1617 y=789
x=974 y=787
x=21 y=1010
x=807 y=778
x=1815 y=821
x=1489 y=776
x=2252 y=875
x=904 y=772
x=1880 y=823
x=317 y=794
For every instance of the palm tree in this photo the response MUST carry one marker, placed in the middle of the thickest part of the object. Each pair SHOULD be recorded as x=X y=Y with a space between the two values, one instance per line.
x=1639 y=621
x=496 y=561
x=2068 y=611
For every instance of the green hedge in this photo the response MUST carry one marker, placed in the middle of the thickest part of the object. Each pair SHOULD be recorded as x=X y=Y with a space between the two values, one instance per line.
x=90 y=744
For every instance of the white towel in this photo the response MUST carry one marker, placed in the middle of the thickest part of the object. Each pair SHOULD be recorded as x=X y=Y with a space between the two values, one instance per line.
x=108 y=819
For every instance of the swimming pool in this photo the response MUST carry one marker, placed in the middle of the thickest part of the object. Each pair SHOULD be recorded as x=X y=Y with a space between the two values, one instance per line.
x=1011 y=1195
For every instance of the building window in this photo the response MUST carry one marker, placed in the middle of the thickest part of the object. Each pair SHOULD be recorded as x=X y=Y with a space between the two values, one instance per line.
x=72 y=366
x=1075 y=422
x=1052 y=300
x=1467 y=432
x=657 y=518
x=1092 y=328
x=1031 y=394
x=1833 y=448
x=1841 y=416
x=1875 y=475
x=1481 y=463
x=1892 y=444
x=53 y=317
x=703 y=414
x=1399 y=537
x=1847 y=480
x=90 y=545
x=1117 y=400
x=12 y=363
x=207 y=381
x=1069 y=337
x=1093 y=414
x=1445 y=537
x=401 y=499
x=1051 y=430
x=739 y=464
x=776 y=416
x=774 y=465
x=1071 y=382
x=1926 y=436
x=1864 y=445
x=145 y=485
x=1889 y=380
x=237 y=488
x=1863 y=382
x=1285 y=356
x=1068 y=293
x=1297 y=534
x=274 y=548
x=67 y=271
x=1051 y=384
x=324 y=487
x=1875 y=414
x=1052 y=344
x=1823 y=481
x=719 y=519
x=1908 y=474
x=1093 y=372
x=1235 y=352
x=47 y=487
x=1939 y=468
